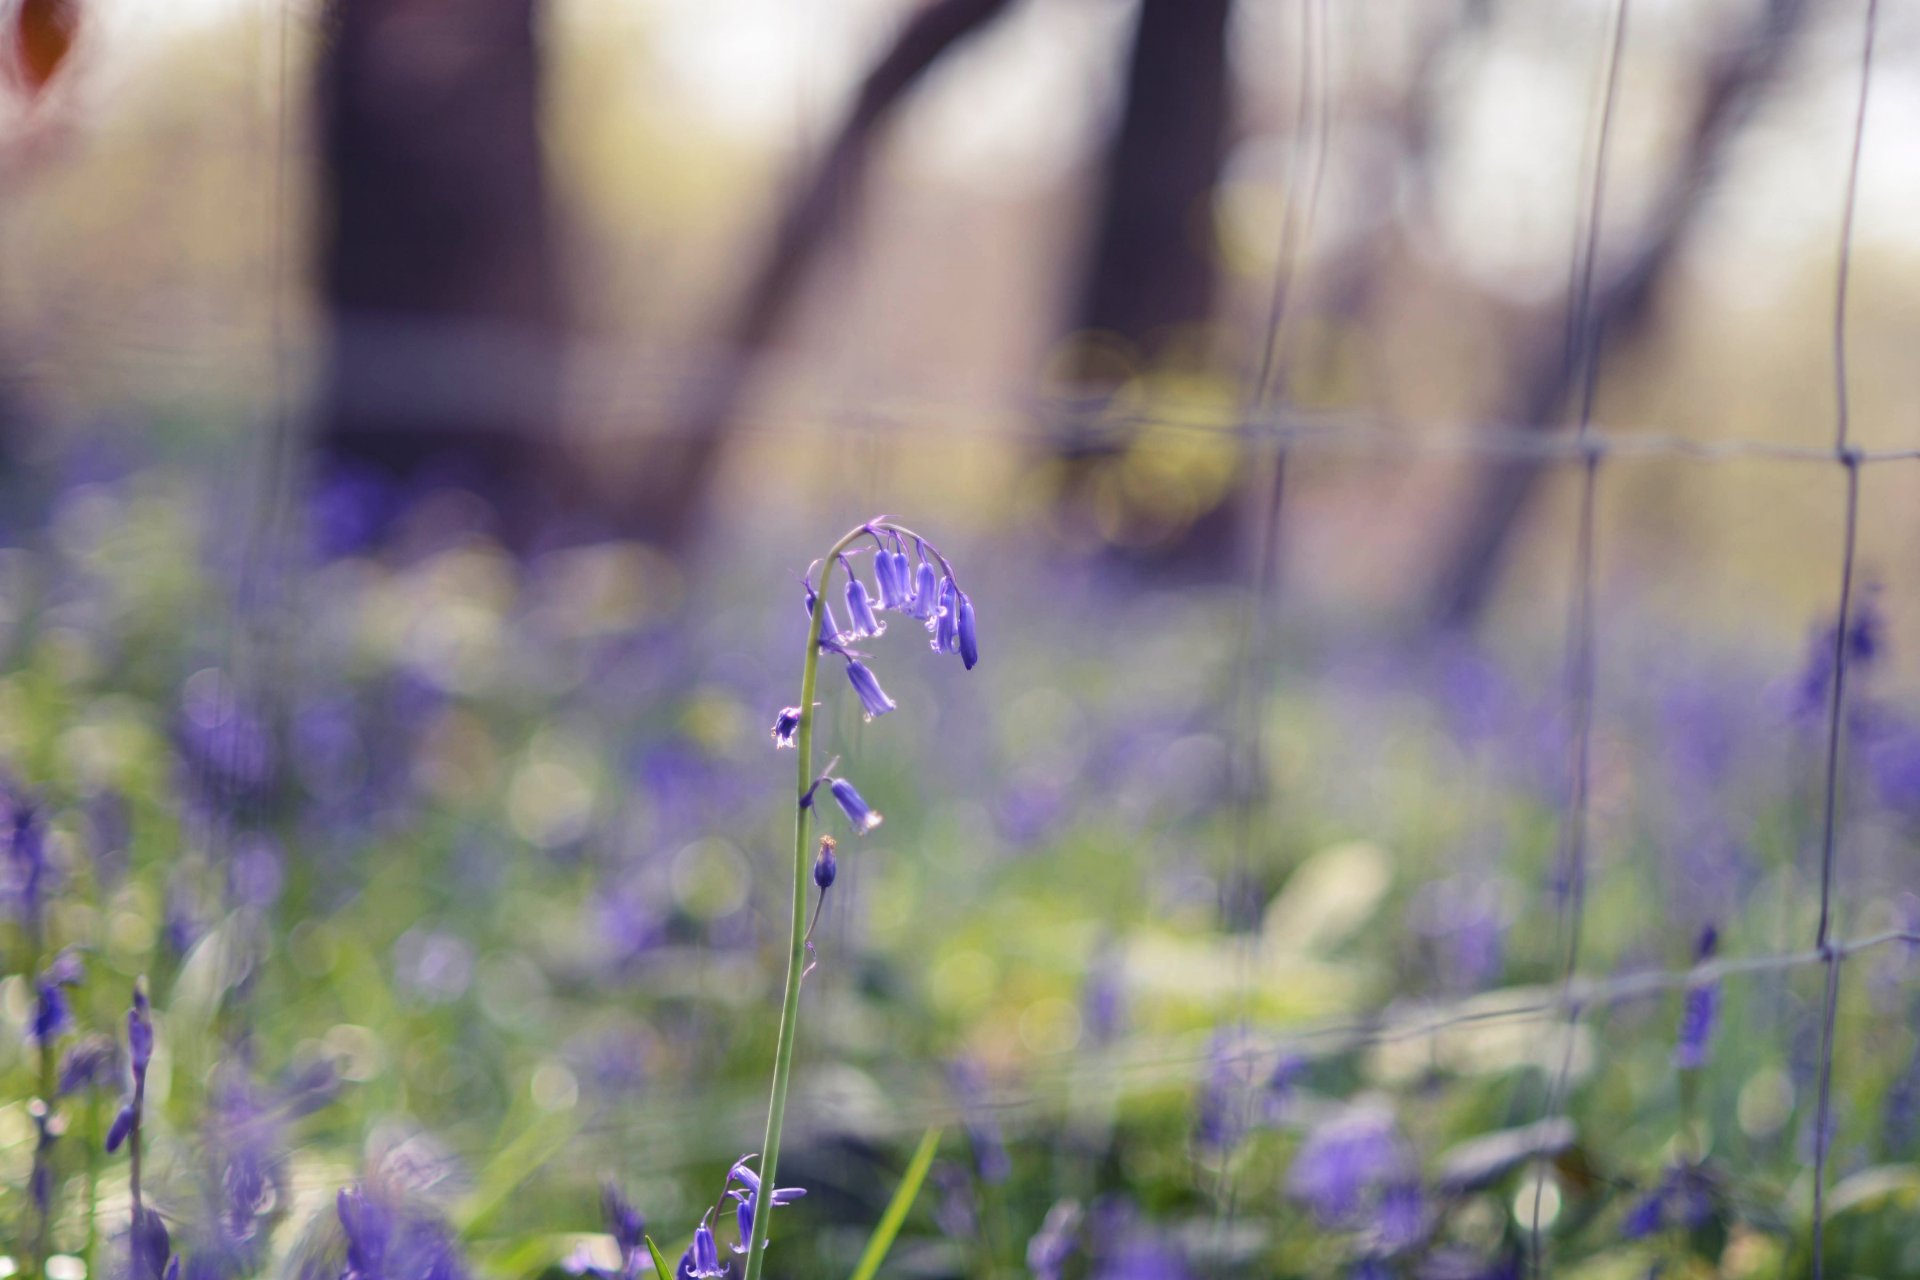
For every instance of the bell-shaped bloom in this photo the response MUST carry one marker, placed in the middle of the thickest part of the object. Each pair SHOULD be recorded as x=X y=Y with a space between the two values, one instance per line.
x=140 y=1031
x=873 y=699
x=750 y=1197
x=969 y=641
x=894 y=577
x=784 y=726
x=926 y=593
x=861 y=814
x=825 y=866
x=703 y=1255
x=122 y=1126
x=946 y=623
x=860 y=608
x=829 y=628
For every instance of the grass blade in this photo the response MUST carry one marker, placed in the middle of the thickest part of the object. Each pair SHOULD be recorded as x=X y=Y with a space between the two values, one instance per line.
x=903 y=1197
x=660 y=1267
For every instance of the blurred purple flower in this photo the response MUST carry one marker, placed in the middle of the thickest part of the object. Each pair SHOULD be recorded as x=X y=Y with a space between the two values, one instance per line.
x=1056 y=1241
x=1346 y=1161
x=1699 y=1010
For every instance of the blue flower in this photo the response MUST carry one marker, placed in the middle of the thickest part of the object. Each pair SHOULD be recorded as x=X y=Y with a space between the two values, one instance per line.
x=829 y=629
x=873 y=699
x=945 y=624
x=784 y=726
x=859 y=607
x=49 y=1013
x=702 y=1259
x=858 y=811
x=624 y=1222
x=969 y=640
x=825 y=866
x=926 y=591
x=1345 y=1160
x=140 y=1031
x=89 y=1064
x=894 y=577
x=750 y=1197
x=122 y=1126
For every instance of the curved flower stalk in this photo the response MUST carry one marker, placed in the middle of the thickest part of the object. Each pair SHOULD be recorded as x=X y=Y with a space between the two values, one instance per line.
x=920 y=585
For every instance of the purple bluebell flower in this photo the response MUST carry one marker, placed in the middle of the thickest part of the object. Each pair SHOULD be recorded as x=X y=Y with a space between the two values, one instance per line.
x=873 y=699
x=861 y=814
x=624 y=1222
x=26 y=865
x=830 y=633
x=749 y=1198
x=926 y=590
x=859 y=606
x=969 y=638
x=785 y=725
x=1346 y=1160
x=1056 y=1241
x=91 y=1064
x=122 y=1126
x=140 y=1031
x=825 y=866
x=50 y=1016
x=369 y=1229
x=1864 y=643
x=894 y=577
x=1699 y=1011
x=945 y=624
x=1401 y=1218
x=702 y=1259
x=152 y=1247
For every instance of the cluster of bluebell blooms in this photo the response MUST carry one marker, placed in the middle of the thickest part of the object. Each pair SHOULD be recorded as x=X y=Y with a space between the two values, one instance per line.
x=906 y=585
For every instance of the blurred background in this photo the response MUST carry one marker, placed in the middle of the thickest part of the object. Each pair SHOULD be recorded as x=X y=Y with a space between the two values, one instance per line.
x=415 y=416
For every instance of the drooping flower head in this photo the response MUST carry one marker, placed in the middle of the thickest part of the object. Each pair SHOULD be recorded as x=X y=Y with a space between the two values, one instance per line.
x=702 y=1258
x=860 y=606
x=873 y=699
x=785 y=725
x=862 y=815
x=825 y=866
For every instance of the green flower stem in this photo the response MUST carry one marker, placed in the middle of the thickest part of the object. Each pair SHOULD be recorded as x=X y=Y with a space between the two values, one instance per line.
x=796 y=947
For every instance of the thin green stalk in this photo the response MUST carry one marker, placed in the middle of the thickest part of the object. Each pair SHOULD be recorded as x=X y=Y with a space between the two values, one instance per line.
x=93 y=1140
x=796 y=947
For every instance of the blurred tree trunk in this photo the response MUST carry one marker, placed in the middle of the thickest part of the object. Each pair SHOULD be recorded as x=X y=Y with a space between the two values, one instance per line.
x=438 y=266
x=684 y=463
x=1734 y=79
x=1149 y=279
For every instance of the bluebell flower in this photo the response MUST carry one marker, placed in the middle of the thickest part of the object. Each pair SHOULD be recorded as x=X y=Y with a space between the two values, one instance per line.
x=90 y=1064
x=624 y=1222
x=861 y=814
x=140 y=1031
x=894 y=577
x=1219 y=1121
x=702 y=1259
x=873 y=699
x=926 y=591
x=749 y=1198
x=829 y=629
x=945 y=623
x=859 y=606
x=969 y=639
x=1699 y=1011
x=825 y=866
x=1056 y=1241
x=785 y=725
x=50 y=1016
x=26 y=865
x=369 y=1229
x=152 y=1247
x=122 y=1126
x=1685 y=1197
x=1346 y=1160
